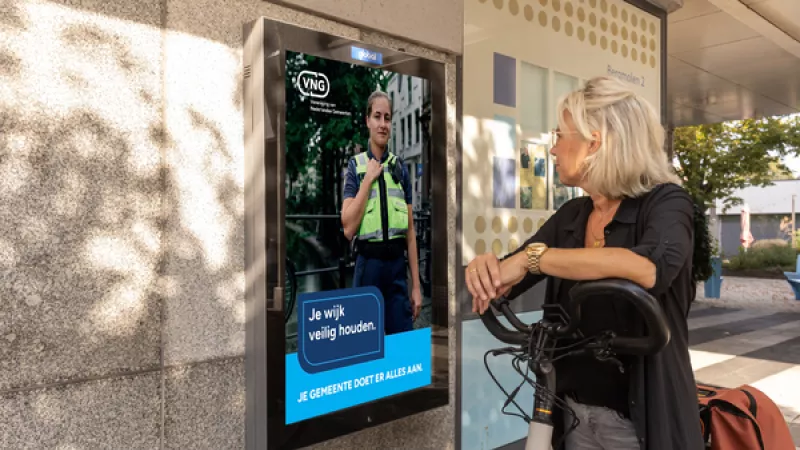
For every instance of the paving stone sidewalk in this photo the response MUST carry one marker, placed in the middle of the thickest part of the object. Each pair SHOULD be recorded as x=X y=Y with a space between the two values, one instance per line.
x=750 y=335
x=740 y=292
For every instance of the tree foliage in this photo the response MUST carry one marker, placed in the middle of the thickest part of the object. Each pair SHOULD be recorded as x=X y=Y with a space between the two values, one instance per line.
x=717 y=159
x=318 y=144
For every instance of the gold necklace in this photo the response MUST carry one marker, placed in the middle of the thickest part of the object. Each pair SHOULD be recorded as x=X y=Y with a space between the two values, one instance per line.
x=599 y=242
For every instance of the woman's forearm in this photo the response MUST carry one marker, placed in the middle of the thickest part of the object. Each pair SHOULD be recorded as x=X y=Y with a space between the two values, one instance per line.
x=413 y=259
x=583 y=264
x=597 y=263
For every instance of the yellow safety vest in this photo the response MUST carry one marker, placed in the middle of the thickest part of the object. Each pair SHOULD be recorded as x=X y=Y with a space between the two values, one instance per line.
x=391 y=201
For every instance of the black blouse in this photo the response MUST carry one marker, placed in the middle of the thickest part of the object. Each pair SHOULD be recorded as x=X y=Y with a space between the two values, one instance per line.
x=657 y=392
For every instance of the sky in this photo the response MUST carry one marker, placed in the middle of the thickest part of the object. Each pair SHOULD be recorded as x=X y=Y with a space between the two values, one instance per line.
x=793 y=163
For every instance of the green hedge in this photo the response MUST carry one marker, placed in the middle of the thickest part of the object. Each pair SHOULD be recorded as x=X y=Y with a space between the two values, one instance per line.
x=764 y=258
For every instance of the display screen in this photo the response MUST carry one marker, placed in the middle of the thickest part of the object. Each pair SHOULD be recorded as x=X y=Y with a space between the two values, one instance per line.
x=357 y=255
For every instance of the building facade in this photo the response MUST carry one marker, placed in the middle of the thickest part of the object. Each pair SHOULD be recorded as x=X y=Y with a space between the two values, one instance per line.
x=771 y=209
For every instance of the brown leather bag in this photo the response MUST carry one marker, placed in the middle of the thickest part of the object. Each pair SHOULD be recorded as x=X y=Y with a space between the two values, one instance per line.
x=742 y=418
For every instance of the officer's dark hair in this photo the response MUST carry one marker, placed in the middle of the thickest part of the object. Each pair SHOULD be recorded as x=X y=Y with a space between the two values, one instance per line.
x=374 y=96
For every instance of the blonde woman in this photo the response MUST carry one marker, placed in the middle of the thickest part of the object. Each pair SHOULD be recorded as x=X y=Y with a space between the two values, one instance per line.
x=636 y=223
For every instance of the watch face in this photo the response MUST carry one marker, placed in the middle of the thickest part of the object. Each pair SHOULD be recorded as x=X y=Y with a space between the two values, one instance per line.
x=536 y=246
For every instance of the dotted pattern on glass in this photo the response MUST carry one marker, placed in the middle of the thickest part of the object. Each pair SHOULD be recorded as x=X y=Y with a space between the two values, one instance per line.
x=527 y=225
x=497 y=247
x=512 y=225
x=593 y=13
x=480 y=224
x=568 y=9
x=497 y=224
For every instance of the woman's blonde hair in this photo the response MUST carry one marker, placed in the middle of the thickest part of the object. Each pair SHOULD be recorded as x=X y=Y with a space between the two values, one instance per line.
x=631 y=158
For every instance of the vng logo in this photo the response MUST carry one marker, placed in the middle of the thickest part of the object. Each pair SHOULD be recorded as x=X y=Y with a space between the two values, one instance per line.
x=313 y=84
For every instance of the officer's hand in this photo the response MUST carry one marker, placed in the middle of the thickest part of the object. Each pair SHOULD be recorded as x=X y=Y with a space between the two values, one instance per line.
x=374 y=170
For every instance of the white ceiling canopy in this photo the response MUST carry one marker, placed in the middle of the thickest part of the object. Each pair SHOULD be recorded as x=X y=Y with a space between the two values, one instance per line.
x=733 y=59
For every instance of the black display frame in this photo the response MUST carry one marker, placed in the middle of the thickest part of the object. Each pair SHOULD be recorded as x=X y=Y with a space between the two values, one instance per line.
x=265 y=44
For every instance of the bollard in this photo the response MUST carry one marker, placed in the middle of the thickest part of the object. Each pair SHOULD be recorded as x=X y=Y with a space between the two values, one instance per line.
x=713 y=286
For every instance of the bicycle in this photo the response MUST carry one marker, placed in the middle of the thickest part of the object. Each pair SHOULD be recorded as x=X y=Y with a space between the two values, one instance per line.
x=532 y=345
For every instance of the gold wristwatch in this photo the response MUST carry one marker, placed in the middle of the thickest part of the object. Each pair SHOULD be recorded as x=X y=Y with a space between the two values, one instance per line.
x=535 y=251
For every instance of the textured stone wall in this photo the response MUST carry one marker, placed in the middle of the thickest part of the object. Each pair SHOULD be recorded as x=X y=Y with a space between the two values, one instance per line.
x=121 y=235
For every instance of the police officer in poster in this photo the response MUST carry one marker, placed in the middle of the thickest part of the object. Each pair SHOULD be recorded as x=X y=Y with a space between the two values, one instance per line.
x=377 y=213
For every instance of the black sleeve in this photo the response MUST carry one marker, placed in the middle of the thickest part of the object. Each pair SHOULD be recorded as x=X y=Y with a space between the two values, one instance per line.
x=546 y=235
x=667 y=236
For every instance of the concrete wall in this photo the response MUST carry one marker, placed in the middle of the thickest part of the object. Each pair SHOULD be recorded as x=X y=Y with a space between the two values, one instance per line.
x=762 y=226
x=121 y=233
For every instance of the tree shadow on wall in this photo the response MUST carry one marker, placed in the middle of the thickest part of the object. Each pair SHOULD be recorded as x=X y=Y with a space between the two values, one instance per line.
x=99 y=269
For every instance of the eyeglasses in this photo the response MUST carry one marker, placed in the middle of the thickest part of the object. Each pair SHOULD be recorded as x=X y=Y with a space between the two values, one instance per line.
x=556 y=135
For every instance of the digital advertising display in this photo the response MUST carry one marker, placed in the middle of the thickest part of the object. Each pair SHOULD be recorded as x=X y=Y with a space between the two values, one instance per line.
x=345 y=235
x=355 y=333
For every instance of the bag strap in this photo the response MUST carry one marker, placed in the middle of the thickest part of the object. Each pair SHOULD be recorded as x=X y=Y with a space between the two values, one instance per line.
x=753 y=407
x=728 y=407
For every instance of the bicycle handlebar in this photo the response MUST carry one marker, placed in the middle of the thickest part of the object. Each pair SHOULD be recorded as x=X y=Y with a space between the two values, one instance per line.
x=658 y=332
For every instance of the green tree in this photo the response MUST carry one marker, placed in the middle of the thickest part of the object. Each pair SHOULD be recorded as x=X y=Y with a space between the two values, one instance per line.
x=779 y=171
x=717 y=159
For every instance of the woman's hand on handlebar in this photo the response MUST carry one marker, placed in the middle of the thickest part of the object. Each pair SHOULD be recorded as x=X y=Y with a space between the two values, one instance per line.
x=488 y=278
